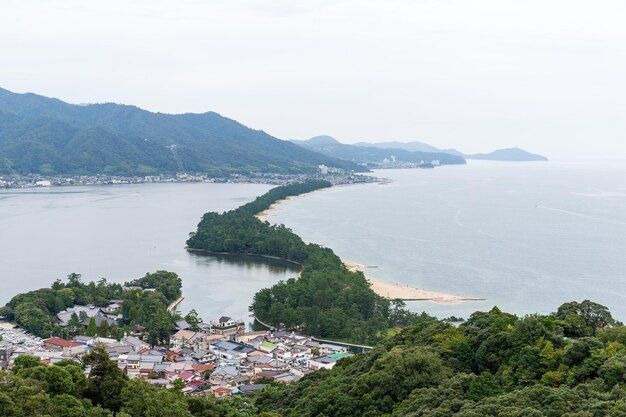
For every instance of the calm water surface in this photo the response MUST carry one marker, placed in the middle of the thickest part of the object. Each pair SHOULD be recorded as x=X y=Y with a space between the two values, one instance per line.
x=122 y=232
x=526 y=236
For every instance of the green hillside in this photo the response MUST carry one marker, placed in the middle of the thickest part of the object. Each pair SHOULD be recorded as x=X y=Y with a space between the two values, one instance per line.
x=48 y=136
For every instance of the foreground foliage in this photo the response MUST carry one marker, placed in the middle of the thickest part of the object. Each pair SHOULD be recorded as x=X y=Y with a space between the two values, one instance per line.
x=495 y=364
x=33 y=389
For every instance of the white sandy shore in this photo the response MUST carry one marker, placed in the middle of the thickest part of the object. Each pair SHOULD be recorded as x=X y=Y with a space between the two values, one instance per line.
x=392 y=291
x=389 y=290
x=265 y=213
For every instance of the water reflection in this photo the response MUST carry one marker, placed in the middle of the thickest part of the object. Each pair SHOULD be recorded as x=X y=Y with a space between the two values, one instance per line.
x=250 y=263
x=224 y=285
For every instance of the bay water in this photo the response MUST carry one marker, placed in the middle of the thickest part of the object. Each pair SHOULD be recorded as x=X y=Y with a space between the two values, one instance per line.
x=121 y=232
x=527 y=237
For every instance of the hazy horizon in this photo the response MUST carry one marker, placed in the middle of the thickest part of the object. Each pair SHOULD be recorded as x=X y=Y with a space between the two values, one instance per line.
x=544 y=76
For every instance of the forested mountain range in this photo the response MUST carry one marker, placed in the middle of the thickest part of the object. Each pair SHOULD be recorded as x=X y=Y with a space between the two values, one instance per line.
x=48 y=136
x=371 y=155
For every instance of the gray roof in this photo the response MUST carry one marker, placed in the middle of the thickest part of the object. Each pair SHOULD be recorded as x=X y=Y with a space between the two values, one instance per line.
x=65 y=316
x=182 y=325
x=226 y=370
x=133 y=341
x=99 y=319
x=228 y=346
x=259 y=359
x=251 y=387
x=151 y=358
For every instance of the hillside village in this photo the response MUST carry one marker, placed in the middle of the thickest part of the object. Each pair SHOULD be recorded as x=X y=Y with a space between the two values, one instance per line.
x=219 y=359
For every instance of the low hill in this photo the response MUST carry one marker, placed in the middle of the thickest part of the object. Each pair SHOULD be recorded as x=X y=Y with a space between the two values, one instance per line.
x=510 y=154
x=48 y=136
x=373 y=156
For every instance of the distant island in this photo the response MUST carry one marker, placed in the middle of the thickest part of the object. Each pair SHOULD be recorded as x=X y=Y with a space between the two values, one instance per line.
x=510 y=154
x=41 y=135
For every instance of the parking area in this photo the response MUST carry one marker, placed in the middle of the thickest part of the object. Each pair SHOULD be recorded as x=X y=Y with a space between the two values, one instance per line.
x=15 y=337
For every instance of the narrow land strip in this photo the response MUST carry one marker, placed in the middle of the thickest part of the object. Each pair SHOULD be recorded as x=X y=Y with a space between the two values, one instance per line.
x=175 y=304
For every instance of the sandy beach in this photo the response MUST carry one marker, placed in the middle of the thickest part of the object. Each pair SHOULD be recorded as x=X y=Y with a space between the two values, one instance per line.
x=265 y=213
x=392 y=291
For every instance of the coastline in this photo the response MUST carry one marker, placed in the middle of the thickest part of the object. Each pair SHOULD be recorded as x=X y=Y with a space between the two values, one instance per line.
x=265 y=213
x=385 y=289
x=393 y=291
x=234 y=254
x=263 y=216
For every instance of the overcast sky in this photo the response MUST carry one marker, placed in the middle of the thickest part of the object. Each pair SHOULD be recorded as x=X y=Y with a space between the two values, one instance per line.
x=549 y=76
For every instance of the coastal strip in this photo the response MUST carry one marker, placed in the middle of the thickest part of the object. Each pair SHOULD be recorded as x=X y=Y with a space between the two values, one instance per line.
x=263 y=216
x=394 y=291
x=175 y=304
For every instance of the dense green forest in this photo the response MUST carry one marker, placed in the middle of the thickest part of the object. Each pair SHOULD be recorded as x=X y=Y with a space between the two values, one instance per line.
x=35 y=311
x=569 y=363
x=326 y=300
x=48 y=136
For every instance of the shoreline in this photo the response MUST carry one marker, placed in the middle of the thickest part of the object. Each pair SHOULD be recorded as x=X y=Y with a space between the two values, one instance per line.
x=265 y=213
x=235 y=254
x=263 y=216
x=385 y=289
x=394 y=291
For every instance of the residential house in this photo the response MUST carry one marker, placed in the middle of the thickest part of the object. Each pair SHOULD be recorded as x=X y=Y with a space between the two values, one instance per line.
x=68 y=347
x=227 y=326
x=327 y=361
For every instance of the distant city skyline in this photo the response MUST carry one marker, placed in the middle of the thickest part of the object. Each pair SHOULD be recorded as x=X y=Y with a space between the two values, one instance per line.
x=547 y=76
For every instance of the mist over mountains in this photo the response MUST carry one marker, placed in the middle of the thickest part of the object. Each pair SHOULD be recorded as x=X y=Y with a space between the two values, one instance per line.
x=374 y=155
x=513 y=154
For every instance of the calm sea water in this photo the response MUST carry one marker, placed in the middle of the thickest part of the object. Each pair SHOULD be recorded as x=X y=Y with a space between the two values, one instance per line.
x=122 y=232
x=525 y=236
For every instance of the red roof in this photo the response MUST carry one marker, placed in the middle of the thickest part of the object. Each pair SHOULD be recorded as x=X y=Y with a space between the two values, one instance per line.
x=57 y=341
x=202 y=368
x=186 y=375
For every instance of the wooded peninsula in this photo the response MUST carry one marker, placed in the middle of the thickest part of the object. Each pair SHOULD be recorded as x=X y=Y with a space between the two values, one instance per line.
x=327 y=300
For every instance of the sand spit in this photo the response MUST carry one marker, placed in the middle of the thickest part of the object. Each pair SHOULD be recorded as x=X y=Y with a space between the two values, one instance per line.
x=392 y=291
